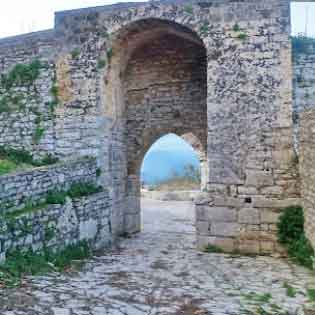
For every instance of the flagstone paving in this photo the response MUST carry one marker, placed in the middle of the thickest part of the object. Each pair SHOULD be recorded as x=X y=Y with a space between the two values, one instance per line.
x=158 y=272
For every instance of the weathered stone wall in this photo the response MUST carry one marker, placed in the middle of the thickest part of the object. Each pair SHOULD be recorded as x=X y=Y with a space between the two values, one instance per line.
x=102 y=59
x=250 y=150
x=307 y=171
x=25 y=106
x=56 y=226
x=32 y=185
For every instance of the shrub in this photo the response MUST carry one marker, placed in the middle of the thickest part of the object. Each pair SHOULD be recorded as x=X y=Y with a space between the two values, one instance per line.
x=291 y=224
x=242 y=36
x=21 y=157
x=21 y=75
x=78 y=190
x=75 y=53
x=56 y=197
x=291 y=235
x=236 y=28
x=7 y=167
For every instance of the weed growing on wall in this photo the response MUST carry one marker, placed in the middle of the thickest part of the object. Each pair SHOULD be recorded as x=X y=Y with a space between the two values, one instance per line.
x=291 y=235
x=14 y=159
x=22 y=75
x=20 y=264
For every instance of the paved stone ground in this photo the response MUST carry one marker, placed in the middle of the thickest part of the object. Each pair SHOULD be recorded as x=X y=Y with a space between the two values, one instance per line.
x=158 y=272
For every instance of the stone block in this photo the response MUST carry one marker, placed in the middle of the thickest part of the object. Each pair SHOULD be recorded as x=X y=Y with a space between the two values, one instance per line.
x=228 y=245
x=267 y=247
x=226 y=229
x=258 y=179
x=87 y=229
x=268 y=216
x=249 y=247
x=249 y=216
x=203 y=227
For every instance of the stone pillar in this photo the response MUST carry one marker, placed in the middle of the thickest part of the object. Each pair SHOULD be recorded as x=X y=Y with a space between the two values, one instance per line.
x=252 y=169
x=133 y=207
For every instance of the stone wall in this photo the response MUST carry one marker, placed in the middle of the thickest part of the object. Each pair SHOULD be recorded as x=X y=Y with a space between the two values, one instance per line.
x=113 y=79
x=307 y=171
x=32 y=185
x=56 y=226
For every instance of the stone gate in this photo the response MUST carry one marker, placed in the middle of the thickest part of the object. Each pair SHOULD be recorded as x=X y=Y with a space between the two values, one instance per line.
x=116 y=78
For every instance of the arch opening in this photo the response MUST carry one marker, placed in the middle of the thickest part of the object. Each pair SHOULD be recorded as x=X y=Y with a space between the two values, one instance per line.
x=157 y=85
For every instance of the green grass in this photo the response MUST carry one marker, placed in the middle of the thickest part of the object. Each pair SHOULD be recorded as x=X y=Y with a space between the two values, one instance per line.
x=212 y=249
x=242 y=36
x=291 y=292
x=14 y=159
x=7 y=166
x=311 y=295
x=101 y=63
x=258 y=297
x=20 y=264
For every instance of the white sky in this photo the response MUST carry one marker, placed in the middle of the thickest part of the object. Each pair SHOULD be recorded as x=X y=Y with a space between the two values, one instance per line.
x=18 y=16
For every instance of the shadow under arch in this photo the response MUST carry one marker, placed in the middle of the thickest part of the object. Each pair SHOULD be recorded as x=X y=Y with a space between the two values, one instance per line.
x=124 y=42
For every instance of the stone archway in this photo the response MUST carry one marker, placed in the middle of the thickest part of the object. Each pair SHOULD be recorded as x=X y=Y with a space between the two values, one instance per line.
x=158 y=85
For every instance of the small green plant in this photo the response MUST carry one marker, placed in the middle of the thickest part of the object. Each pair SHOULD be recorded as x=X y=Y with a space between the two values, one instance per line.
x=78 y=190
x=189 y=9
x=242 y=36
x=47 y=159
x=98 y=172
x=236 y=28
x=54 y=91
x=204 y=28
x=30 y=206
x=38 y=134
x=13 y=159
x=7 y=167
x=258 y=297
x=101 y=63
x=290 y=225
x=291 y=235
x=311 y=295
x=291 y=292
x=50 y=233
x=75 y=53
x=109 y=54
x=210 y=248
x=56 y=197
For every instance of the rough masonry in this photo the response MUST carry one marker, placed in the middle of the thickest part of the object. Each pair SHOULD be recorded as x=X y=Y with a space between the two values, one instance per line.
x=114 y=79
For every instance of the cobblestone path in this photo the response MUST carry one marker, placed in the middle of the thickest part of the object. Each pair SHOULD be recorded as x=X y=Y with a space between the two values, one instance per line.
x=158 y=272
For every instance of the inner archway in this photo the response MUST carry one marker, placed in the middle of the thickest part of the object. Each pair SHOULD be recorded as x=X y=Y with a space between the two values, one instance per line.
x=170 y=180
x=159 y=69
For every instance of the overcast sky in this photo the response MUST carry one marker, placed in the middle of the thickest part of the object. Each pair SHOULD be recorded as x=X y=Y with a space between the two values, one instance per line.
x=18 y=16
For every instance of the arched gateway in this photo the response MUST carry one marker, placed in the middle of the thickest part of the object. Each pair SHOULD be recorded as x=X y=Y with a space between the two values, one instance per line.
x=217 y=73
